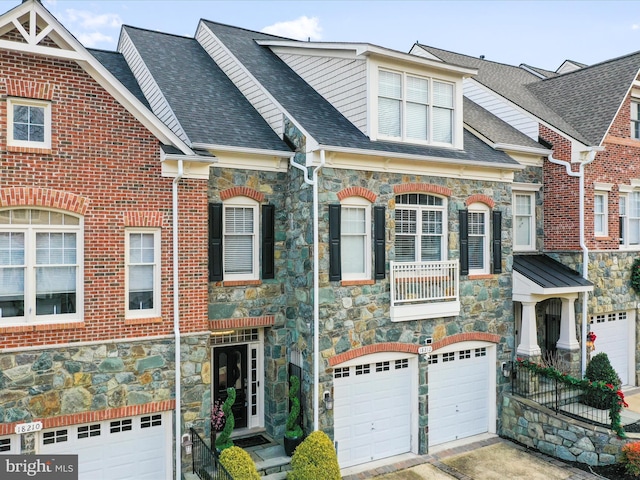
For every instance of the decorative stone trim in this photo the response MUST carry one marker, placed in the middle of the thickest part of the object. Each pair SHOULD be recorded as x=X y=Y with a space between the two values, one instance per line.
x=357 y=192
x=29 y=89
x=241 y=192
x=245 y=322
x=142 y=321
x=95 y=416
x=483 y=276
x=374 y=348
x=42 y=327
x=16 y=149
x=240 y=283
x=351 y=283
x=422 y=188
x=478 y=198
x=143 y=219
x=466 y=337
x=43 y=197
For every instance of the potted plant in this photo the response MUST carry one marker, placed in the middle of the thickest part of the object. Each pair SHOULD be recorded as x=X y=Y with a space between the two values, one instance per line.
x=224 y=439
x=218 y=421
x=293 y=434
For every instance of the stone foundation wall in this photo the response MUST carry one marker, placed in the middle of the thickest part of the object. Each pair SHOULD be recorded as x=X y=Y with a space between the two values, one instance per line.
x=558 y=436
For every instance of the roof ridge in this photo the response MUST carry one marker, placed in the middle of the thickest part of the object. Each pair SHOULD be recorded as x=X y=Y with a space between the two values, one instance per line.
x=469 y=56
x=599 y=64
x=149 y=30
x=249 y=30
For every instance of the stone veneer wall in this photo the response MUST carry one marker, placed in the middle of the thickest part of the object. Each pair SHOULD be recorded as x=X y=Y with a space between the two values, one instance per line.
x=556 y=435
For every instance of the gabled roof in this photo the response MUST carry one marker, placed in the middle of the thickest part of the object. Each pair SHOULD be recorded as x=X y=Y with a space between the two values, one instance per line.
x=208 y=106
x=581 y=103
x=547 y=272
x=117 y=65
x=42 y=34
x=319 y=118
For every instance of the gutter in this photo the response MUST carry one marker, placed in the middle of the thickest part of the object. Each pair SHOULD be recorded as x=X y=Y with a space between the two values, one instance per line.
x=583 y=246
x=316 y=289
x=176 y=322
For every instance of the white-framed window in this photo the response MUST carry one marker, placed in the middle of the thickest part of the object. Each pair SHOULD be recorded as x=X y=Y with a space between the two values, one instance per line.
x=600 y=214
x=478 y=239
x=28 y=123
x=635 y=119
x=142 y=284
x=415 y=109
x=421 y=229
x=629 y=205
x=524 y=221
x=40 y=266
x=355 y=238
x=240 y=242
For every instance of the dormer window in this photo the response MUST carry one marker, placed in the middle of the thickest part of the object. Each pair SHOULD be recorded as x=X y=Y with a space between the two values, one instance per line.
x=414 y=109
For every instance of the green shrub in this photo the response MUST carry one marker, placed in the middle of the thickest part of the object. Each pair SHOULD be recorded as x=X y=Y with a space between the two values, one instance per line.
x=293 y=429
x=631 y=458
x=224 y=439
x=600 y=370
x=239 y=464
x=315 y=459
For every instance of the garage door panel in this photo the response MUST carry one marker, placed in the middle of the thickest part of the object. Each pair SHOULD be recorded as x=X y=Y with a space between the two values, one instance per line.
x=612 y=332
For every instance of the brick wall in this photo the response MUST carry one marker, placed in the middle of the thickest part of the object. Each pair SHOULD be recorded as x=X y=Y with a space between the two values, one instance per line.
x=107 y=161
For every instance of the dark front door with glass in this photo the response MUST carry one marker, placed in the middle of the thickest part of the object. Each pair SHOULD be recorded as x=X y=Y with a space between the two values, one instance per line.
x=230 y=370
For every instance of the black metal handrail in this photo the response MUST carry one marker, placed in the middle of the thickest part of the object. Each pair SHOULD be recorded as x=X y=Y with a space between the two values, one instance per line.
x=205 y=461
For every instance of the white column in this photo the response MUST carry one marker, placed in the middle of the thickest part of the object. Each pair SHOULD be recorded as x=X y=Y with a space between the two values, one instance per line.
x=568 y=340
x=529 y=331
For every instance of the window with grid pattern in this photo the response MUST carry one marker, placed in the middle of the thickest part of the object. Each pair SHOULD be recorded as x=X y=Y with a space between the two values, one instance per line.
x=524 y=221
x=629 y=218
x=28 y=123
x=420 y=229
x=143 y=273
x=355 y=238
x=600 y=214
x=240 y=244
x=478 y=239
x=635 y=119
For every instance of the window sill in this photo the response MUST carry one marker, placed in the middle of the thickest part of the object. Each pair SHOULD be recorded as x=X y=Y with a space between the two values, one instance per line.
x=602 y=237
x=142 y=321
x=41 y=327
x=350 y=283
x=240 y=283
x=481 y=276
x=16 y=149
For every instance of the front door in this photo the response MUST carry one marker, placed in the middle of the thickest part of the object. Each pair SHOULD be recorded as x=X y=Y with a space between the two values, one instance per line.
x=552 y=319
x=230 y=370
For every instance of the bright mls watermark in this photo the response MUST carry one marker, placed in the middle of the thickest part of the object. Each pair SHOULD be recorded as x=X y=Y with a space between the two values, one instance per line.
x=37 y=467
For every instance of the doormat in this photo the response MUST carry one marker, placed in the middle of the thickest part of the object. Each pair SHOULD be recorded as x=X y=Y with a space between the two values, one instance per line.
x=251 y=441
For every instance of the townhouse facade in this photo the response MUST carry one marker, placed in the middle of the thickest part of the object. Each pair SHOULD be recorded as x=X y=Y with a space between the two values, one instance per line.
x=396 y=227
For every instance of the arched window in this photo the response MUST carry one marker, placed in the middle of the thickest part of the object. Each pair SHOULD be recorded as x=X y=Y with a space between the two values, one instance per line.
x=40 y=266
x=421 y=228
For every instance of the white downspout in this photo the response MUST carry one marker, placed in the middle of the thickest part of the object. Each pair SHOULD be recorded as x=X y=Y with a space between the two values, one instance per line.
x=316 y=288
x=176 y=322
x=583 y=245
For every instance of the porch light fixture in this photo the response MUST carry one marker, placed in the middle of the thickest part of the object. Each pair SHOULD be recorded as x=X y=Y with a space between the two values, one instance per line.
x=507 y=368
x=187 y=444
x=328 y=400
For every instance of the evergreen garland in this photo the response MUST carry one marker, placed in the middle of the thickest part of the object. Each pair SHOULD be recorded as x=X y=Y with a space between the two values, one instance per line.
x=224 y=439
x=585 y=384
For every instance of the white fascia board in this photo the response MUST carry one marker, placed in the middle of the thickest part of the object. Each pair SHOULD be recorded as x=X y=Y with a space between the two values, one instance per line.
x=367 y=49
x=92 y=66
x=543 y=152
x=523 y=286
x=251 y=151
x=408 y=156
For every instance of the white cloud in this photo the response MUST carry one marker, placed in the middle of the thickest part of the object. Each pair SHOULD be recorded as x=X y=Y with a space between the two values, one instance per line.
x=635 y=26
x=94 y=38
x=91 y=20
x=302 y=28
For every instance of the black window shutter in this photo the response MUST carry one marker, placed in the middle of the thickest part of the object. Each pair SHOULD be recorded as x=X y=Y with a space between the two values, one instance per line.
x=268 y=241
x=464 y=241
x=497 y=241
x=379 y=250
x=215 y=242
x=335 y=268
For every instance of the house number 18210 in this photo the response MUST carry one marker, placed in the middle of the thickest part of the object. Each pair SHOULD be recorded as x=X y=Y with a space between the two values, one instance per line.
x=28 y=427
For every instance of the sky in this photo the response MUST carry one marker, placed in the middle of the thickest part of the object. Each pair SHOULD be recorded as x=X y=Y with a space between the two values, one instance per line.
x=539 y=33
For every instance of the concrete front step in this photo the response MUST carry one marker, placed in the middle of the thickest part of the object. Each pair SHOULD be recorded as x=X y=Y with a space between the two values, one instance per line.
x=275 y=476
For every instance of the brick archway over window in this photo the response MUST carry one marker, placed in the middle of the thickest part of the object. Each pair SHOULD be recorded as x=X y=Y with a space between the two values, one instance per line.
x=43 y=197
x=490 y=202
x=422 y=188
x=375 y=348
x=357 y=192
x=242 y=192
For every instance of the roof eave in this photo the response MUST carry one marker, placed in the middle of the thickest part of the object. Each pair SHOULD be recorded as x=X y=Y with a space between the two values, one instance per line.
x=248 y=150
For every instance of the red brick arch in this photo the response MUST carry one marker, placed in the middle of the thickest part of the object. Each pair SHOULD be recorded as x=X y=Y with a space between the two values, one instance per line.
x=466 y=337
x=241 y=192
x=375 y=348
x=422 y=188
x=478 y=198
x=43 y=197
x=357 y=192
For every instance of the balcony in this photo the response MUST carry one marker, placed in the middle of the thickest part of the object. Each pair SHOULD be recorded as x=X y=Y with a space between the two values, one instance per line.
x=421 y=290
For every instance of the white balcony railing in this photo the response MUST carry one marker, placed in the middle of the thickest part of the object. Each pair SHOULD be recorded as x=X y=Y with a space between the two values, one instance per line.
x=424 y=290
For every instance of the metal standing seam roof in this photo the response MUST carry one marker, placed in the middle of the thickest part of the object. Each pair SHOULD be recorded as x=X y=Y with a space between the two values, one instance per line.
x=318 y=116
x=210 y=109
x=547 y=272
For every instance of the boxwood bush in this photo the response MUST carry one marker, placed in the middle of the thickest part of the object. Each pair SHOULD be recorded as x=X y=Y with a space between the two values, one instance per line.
x=600 y=370
x=239 y=464
x=315 y=459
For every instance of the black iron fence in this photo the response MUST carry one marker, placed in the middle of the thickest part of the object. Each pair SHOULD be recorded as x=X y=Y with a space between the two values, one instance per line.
x=205 y=461
x=592 y=405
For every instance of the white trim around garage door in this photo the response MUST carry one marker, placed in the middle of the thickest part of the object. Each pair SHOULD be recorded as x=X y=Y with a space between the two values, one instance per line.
x=376 y=407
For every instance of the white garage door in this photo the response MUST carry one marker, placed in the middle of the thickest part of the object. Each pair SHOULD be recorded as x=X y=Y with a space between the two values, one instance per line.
x=134 y=448
x=460 y=395
x=612 y=338
x=10 y=445
x=372 y=411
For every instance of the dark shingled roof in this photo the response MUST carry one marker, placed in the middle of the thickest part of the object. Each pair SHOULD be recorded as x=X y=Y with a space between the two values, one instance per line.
x=547 y=272
x=209 y=107
x=118 y=67
x=317 y=116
